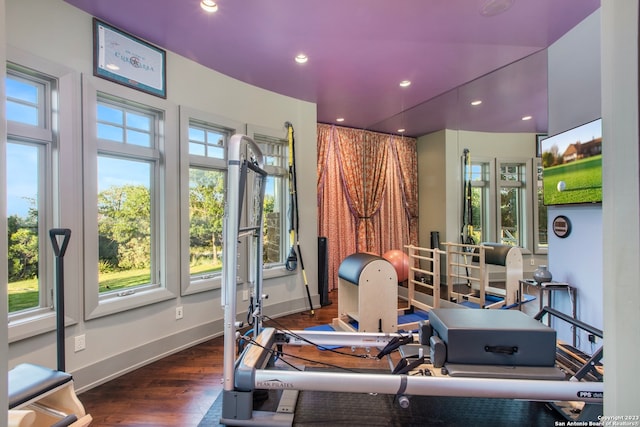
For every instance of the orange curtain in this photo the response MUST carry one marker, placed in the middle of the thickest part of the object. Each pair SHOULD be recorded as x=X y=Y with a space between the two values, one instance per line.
x=333 y=209
x=367 y=192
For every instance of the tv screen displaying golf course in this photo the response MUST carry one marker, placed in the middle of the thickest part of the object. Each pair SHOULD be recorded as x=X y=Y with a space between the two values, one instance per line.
x=572 y=165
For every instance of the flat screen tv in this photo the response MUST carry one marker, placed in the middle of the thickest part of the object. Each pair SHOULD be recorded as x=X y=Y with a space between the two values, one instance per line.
x=572 y=165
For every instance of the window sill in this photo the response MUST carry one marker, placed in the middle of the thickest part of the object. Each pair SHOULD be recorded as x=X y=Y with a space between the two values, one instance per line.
x=41 y=322
x=131 y=301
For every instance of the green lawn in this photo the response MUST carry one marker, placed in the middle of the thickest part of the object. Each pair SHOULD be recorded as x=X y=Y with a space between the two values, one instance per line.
x=583 y=180
x=24 y=294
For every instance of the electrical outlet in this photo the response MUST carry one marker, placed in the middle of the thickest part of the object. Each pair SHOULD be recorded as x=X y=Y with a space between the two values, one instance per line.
x=245 y=295
x=533 y=261
x=80 y=343
x=179 y=313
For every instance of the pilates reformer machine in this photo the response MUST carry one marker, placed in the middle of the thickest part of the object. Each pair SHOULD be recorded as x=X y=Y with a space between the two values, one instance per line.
x=468 y=353
x=40 y=396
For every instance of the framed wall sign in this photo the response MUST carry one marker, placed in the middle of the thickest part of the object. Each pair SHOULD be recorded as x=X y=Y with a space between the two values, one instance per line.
x=128 y=60
x=561 y=226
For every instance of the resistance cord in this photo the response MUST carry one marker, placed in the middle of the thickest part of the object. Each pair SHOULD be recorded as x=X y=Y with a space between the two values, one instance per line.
x=294 y=219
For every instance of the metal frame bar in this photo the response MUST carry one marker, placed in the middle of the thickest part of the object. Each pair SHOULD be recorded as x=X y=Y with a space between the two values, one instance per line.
x=542 y=390
x=236 y=152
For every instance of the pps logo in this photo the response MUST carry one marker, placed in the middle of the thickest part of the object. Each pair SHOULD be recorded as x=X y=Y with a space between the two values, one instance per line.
x=590 y=394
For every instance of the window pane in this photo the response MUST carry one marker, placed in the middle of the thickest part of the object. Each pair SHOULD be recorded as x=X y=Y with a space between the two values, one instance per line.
x=116 y=124
x=273 y=220
x=207 y=141
x=24 y=91
x=479 y=201
x=274 y=150
x=206 y=213
x=23 y=240
x=511 y=203
x=197 y=149
x=196 y=134
x=139 y=130
x=138 y=138
x=108 y=114
x=138 y=121
x=542 y=213
x=23 y=101
x=124 y=223
x=510 y=216
x=111 y=133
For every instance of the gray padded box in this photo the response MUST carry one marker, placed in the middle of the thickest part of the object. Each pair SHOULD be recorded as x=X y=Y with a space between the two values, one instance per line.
x=494 y=337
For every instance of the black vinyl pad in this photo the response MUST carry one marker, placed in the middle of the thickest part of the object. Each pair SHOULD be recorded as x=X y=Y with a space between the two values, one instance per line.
x=28 y=381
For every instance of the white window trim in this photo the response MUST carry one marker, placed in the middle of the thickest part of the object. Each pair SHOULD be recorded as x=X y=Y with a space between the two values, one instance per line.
x=189 y=286
x=96 y=305
x=63 y=212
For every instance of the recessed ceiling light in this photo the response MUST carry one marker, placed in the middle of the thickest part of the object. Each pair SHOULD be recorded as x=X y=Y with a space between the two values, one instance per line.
x=527 y=117
x=340 y=119
x=476 y=102
x=495 y=7
x=301 y=58
x=405 y=83
x=401 y=130
x=209 y=6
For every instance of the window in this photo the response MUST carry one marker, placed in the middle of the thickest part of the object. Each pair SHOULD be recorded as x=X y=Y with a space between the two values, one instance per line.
x=480 y=197
x=204 y=140
x=504 y=207
x=541 y=243
x=276 y=222
x=130 y=167
x=512 y=204
x=29 y=175
x=128 y=163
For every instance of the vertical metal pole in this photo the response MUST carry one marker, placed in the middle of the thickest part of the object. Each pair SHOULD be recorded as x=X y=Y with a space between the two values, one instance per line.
x=230 y=259
x=237 y=145
x=59 y=251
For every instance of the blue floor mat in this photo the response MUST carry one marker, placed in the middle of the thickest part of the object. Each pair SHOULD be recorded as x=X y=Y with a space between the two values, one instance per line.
x=492 y=298
x=323 y=328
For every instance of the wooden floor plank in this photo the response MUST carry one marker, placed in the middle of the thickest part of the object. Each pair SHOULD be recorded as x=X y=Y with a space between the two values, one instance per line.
x=179 y=389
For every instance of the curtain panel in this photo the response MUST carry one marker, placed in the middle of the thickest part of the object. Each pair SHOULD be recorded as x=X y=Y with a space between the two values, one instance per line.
x=367 y=193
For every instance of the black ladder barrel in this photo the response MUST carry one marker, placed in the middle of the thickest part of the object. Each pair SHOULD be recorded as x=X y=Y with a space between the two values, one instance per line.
x=59 y=251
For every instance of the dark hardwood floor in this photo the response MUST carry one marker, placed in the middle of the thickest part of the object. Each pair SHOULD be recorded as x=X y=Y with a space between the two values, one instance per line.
x=179 y=389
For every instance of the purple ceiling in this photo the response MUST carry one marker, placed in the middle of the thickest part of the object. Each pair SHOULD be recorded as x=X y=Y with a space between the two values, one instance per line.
x=360 y=50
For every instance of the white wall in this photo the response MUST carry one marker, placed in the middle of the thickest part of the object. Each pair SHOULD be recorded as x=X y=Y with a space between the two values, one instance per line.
x=61 y=34
x=574 y=99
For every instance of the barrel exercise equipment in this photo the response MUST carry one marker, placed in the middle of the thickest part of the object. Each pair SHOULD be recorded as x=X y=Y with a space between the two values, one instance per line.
x=368 y=294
